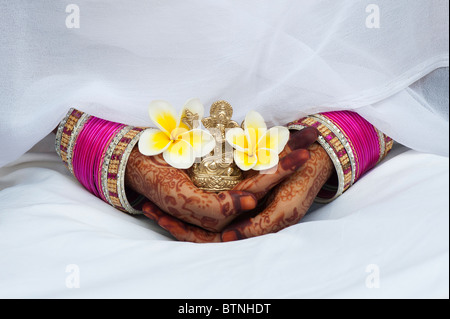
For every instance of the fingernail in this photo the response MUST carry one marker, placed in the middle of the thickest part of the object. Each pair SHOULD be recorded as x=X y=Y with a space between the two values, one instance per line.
x=149 y=214
x=248 y=202
x=148 y=211
x=231 y=235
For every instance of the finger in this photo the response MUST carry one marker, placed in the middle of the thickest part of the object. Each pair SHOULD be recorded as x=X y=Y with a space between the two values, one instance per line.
x=211 y=211
x=261 y=183
x=301 y=140
x=174 y=192
x=233 y=202
x=277 y=215
x=180 y=230
x=290 y=200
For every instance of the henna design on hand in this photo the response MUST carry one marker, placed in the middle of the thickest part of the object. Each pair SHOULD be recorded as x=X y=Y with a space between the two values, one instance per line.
x=288 y=203
x=172 y=191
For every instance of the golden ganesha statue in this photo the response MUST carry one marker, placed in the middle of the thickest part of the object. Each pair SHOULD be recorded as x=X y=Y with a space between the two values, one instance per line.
x=217 y=171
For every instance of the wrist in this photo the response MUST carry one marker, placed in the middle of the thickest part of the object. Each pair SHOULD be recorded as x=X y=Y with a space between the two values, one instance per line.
x=316 y=150
x=134 y=177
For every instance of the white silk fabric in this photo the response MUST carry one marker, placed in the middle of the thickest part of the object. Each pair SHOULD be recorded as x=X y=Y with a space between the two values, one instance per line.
x=386 y=60
x=386 y=237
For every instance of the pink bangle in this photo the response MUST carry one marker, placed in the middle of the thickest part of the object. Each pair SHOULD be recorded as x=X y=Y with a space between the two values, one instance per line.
x=96 y=152
x=84 y=153
x=354 y=145
x=361 y=135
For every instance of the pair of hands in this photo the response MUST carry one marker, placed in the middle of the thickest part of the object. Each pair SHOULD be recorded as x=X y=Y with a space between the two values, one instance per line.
x=260 y=204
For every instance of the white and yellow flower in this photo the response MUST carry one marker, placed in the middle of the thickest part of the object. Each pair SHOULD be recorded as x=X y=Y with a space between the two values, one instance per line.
x=179 y=144
x=255 y=146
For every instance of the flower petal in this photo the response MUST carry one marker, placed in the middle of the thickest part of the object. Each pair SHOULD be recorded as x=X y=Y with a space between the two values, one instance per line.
x=276 y=139
x=237 y=138
x=179 y=154
x=194 y=106
x=153 y=142
x=177 y=133
x=163 y=115
x=255 y=127
x=267 y=159
x=202 y=141
x=244 y=161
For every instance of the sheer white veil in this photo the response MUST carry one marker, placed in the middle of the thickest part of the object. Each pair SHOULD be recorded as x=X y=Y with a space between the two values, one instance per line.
x=387 y=60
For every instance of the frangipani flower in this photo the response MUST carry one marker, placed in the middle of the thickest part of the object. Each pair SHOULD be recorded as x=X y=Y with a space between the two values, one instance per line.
x=256 y=147
x=179 y=144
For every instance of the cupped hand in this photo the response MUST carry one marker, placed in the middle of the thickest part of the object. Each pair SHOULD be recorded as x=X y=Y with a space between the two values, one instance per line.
x=171 y=192
x=283 y=207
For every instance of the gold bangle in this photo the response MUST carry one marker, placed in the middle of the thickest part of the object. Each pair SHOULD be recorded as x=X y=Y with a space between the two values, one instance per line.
x=66 y=135
x=113 y=174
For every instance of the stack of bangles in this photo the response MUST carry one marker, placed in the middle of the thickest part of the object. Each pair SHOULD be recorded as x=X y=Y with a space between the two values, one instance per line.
x=96 y=152
x=354 y=146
